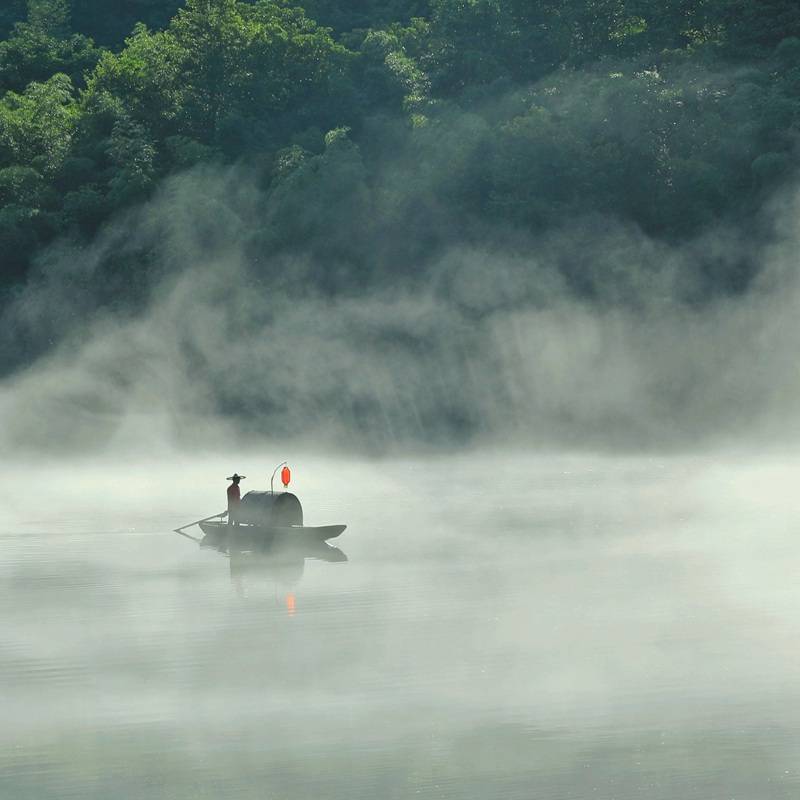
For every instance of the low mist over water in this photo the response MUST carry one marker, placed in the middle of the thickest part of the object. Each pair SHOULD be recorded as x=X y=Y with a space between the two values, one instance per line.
x=494 y=626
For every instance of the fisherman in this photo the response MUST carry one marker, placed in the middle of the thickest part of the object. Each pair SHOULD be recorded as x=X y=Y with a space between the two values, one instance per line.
x=234 y=498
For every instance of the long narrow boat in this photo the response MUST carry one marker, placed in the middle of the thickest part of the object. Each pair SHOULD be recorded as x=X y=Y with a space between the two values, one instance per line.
x=270 y=516
x=320 y=533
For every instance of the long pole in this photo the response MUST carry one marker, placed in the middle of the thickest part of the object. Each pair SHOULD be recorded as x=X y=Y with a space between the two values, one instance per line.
x=213 y=516
x=188 y=536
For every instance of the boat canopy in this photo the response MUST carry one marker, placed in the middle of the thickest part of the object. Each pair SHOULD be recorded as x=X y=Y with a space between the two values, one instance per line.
x=270 y=508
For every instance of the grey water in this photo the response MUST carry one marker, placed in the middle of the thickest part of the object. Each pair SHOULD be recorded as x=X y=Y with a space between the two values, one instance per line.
x=558 y=626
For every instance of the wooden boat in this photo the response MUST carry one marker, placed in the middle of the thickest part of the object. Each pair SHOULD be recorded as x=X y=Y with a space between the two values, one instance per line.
x=269 y=516
x=306 y=533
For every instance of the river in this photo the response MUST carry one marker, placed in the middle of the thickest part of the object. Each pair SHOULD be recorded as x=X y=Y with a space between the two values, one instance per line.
x=549 y=626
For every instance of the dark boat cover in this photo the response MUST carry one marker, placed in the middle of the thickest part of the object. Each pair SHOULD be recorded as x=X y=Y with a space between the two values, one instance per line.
x=270 y=509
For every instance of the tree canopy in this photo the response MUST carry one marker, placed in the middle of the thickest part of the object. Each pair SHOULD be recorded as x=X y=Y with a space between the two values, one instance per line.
x=434 y=119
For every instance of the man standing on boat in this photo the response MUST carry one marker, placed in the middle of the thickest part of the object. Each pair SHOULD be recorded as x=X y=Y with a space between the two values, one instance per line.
x=234 y=498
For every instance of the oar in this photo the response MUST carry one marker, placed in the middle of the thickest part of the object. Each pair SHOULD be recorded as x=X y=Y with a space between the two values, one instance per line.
x=189 y=536
x=207 y=519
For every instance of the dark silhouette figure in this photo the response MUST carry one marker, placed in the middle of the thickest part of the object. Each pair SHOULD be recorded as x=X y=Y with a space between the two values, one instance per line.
x=234 y=498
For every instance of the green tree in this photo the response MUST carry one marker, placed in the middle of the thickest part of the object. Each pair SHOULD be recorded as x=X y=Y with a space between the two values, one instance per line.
x=133 y=154
x=390 y=75
x=315 y=200
x=51 y=17
x=43 y=46
x=222 y=61
x=475 y=42
x=36 y=127
x=674 y=24
x=22 y=185
x=253 y=62
x=144 y=79
x=33 y=55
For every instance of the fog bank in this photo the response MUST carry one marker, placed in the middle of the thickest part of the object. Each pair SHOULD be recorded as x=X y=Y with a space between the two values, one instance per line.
x=492 y=346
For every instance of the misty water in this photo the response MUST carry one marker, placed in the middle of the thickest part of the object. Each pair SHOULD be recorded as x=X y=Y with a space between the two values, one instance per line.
x=553 y=626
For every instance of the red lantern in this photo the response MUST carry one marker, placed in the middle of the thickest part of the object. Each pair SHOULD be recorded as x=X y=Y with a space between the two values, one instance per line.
x=286 y=476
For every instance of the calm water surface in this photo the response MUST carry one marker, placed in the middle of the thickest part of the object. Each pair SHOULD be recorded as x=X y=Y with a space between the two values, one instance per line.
x=566 y=627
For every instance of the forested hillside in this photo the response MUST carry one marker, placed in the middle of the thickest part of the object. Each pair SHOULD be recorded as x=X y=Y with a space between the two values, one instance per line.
x=427 y=121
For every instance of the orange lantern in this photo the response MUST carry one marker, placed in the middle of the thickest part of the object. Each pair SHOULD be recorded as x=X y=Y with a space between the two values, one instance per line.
x=290 y=604
x=286 y=476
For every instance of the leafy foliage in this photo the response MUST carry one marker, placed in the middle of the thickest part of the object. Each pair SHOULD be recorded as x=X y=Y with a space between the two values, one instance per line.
x=43 y=46
x=36 y=128
x=222 y=70
x=422 y=120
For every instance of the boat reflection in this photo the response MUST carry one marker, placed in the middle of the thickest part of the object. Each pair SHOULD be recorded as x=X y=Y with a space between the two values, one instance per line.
x=278 y=562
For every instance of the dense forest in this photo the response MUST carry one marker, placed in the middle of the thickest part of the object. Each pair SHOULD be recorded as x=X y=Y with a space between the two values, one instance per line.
x=381 y=131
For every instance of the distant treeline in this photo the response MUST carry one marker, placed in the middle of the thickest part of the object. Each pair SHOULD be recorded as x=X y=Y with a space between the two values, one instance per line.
x=385 y=130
